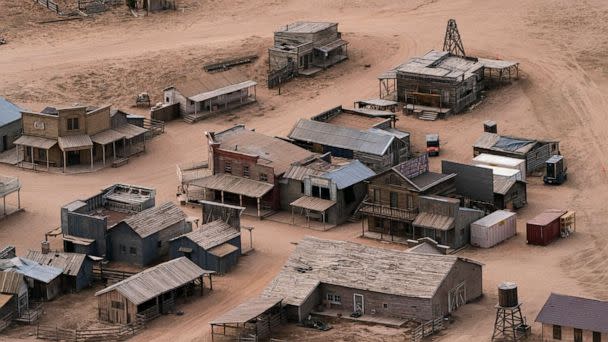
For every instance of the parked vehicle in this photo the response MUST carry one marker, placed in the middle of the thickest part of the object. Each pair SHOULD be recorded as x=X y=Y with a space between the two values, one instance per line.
x=432 y=145
x=556 y=170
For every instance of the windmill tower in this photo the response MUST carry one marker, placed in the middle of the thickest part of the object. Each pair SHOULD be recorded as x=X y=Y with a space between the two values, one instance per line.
x=452 y=42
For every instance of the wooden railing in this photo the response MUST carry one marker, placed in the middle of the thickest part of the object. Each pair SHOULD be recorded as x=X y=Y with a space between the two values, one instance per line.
x=110 y=276
x=374 y=209
x=50 y=5
x=154 y=127
x=31 y=314
x=426 y=329
x=113 y=333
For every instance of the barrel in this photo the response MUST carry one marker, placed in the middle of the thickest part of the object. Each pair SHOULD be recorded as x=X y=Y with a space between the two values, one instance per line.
x=507 y=295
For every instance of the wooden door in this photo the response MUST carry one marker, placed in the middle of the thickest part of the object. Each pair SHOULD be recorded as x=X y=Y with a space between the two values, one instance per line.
x=457 y=297
x=358 y=303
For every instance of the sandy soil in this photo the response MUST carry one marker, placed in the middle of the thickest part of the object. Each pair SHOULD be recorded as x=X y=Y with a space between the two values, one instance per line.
x=561 y=45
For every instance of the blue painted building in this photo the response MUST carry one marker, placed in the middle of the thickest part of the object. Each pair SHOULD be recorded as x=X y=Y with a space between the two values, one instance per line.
x=10 y=124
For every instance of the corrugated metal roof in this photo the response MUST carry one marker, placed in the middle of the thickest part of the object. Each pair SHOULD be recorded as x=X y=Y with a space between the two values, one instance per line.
x=10 y=282
x=157 y=280
x=212 y=234
x=299 y=172
x=494 y=218
x=75 y=142
x=341 y=137
x=222 y=91
x=8 y=112
x=223 y=250
x=155 y=219
x=313 y=203
x=70 y=263
x=350 y=174
x=247 y=311
x=492 y=159
x=547 y=217
x=440 y=64
x=31 y=269
x=390 y=131
x=496 y=63
x=233 y=184
x=434 y=221
x=37 y=142
x=428 y=179
x=493 y=141
x=576 y=312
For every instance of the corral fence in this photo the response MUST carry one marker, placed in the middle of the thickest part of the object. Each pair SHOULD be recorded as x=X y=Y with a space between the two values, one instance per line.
x=280 y=76
x=50 y=5
x=31 y=314
x=154 y=127
x=117 y=333
x=97 y=6
x=5 y=321
x=426 y=329
x=110 y=276
x=165 y=113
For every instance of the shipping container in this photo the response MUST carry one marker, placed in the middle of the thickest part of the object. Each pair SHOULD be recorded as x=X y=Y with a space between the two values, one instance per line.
x=493 y=229
x=513 y=174
x=544 y=228
x=494 y=160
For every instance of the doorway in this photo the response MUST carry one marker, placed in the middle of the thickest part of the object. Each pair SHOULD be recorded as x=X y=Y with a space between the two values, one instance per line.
x=358 y=303
x=4 y=143
x=72 y=158
x=457 y=297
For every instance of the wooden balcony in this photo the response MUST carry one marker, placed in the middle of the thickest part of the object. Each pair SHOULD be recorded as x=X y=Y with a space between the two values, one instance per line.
x=385 y=211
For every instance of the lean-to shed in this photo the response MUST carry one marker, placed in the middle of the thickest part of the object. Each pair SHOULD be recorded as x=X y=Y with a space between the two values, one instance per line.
x=493 y=229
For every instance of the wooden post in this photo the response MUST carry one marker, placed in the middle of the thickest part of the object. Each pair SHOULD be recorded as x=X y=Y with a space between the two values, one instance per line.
x=202 y=285
x=19 y=199
x=64 y=161
x=293 y=219
x=103 y=150
x=47 y=159
x=114 y=148
x=91 y=158
x=259 y=209
x=241 y=200
x=32 y=155
x=222 y=192
x=210 y=282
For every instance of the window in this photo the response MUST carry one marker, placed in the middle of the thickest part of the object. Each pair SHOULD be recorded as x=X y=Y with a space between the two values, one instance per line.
x=123 y=249
x=159 y=244
x=394 y=199
x=228 y=167
x=263 y=177
x=578 y=335
x=246 y=171
x=191 y=103
x=349 y=195
x=557 y=332
x=302 y=187
x=117 y=305
x=385 y=305
x=167 y=99
x=133 y=250
x=325 y=193
x=41 y=154
x=72 y=124
x=597 y=336
x=334 y=298
x=376 y=198
x=315 y=191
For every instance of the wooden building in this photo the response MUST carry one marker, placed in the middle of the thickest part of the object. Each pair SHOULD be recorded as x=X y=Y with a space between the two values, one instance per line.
x=14 y=299
x=150 y=293
x=77 y=268
x=143 y=238
x=575 y=319
x=509 y=194
x=319 y=276
x=534 y=152
x=74 y=136
x=85 y=223
x=215 y=246
x=326 y=189
x=308 y=47
x=377 y=104
x=8 y=186
x=10 y=124
x=44 y=282
x=202 y=96
x=256 y=318
x=245 y=168
x=393 y=202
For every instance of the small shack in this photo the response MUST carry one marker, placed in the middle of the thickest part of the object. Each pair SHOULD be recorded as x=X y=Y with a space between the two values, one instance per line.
x=77 y=268
x=544 y=228
x=143 y=238
x=215 y=246
x=44 y=282
x=256 y=318
x=14 y=299
x=150 y=293
x=493 y=229
x=10 y=185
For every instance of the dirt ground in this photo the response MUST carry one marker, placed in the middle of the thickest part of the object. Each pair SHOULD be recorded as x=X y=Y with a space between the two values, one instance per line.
x=562 y=48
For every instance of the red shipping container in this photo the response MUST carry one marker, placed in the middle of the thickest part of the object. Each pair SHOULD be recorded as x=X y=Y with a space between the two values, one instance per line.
x=544 y=228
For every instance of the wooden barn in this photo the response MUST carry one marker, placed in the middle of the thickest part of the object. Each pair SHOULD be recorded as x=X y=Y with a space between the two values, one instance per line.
x=319 y=278
x=143 y=238
x=77 y=268
x=150 y=293
x=215 y=246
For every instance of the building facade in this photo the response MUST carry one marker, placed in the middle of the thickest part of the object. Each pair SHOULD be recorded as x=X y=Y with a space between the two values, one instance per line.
x=10 y=124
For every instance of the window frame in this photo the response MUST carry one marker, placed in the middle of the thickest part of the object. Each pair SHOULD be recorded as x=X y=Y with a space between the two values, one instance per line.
x=132 y=250
x=73 y=124
x=333 y=298
x=263 y=177
x=557 y=332
x=246 y=171
x=228 y=166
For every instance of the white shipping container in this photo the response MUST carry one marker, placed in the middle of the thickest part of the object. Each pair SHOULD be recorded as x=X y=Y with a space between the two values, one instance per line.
x=503 y=171
x=491 y=230
x=494 y=160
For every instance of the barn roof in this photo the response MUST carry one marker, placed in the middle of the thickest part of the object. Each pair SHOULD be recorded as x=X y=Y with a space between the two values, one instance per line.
x=212 y=234
x=8 y=112
x=576 y=312
x=10 y=281
x=155 y=219
x=357 y=266
x=157 y=280
x=70 y=263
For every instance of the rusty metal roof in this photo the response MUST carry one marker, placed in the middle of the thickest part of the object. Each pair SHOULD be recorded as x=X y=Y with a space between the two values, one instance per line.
x=576 y=312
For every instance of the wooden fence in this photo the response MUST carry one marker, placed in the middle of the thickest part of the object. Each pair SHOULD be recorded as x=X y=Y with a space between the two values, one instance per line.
x=31 y=314
x=154 y=127
x=117 y=333
x=50 y=5
x=280 y=76
x=165 y=113
x=110 y=276
x=5 y=321
x=426 y=329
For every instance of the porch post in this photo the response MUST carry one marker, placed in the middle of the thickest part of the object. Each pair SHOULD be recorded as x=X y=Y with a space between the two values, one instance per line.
x=19 y=199
x=259 y=209
x=202 y=285
x=323 y=219
x=47 y=159
x=103 y=150
x=210 y=282
x=4 y=201
x=241 y=200
x=114 y=148
x=32 y=154
x=293 y=219
x=222 y=192
x=64 y=160
x=91 y=158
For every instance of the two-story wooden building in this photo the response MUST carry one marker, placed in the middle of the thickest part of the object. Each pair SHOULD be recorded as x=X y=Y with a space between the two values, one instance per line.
x=63 y=137
x=392 y=204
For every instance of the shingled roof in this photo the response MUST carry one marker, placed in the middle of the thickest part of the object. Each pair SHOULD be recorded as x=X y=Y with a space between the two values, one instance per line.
x=575 y=312
x=152 y=220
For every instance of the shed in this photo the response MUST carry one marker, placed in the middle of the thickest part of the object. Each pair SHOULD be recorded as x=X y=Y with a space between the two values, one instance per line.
x=10 y=124
x=255 y=317
x=43 y=281
x=493 y=229
x=544 y=228
x=77 y=268
x=13 y=286
x=150 y=292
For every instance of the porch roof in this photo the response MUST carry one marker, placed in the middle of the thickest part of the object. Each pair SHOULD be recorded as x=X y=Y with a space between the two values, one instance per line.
x=37 y=142
x=107 y=136
x=247 y=311
x=223 y=250
x=222 y=91
x=233 y=184
x=78 y=240
x=313 y=203
x=75 y=142
x=434 y=221
x=332 y=46
x=130 y=131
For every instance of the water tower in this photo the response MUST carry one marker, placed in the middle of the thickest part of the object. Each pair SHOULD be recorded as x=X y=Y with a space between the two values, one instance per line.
x=509 y=325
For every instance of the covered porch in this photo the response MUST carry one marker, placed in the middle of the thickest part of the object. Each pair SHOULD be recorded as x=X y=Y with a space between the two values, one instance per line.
x=229 y=189
x=34 y=151
x=437 y=227
x=120 y=142
x=255 y=318
x=9 y=185
x=330 y=54
x=311 y=207
x=225 y=98
x=71 y=147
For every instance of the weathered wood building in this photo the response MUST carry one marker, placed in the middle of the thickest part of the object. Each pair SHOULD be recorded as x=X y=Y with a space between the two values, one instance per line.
x=207 y=94
x=570 y=318
x=44 y=282
x=308 y=46
x=10 y=124
x=384 y=283
x=325 y=189
x=151 y=292
x=76 y=136
x=393 y=201
x=256 y=318
x=14 y=297
x=10 y=185
x=77 y=268
x=143 y=238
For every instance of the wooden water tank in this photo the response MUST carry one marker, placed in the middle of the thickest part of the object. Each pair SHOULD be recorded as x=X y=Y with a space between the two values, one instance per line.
x=507 y=295
x=490 y=127
x=45 y=247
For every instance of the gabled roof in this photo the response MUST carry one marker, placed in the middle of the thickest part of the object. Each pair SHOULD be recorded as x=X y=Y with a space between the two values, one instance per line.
x=31 y=269
x=341 y=137
x=157 y=280
x=357 y=266
x=10 y=281
x=575 y=312
x=212 y=234
x=8 y=112
x=70 y=263
x=155 y=219
x=350 y=174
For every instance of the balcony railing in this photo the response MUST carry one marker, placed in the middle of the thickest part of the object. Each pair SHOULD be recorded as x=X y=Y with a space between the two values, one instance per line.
x=385 y=211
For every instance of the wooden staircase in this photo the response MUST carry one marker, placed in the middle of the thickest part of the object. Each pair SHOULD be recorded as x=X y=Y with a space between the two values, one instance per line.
x=192 y=118
x=428 y=115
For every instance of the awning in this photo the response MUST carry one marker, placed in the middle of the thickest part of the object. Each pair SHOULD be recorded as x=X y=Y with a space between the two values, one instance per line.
x=233 y=184
x=37 y=142
x=434 y=221
x=247 y=311
x=332 y=46
x=313 y=203
x=75 y=142
x=107 y=136
x=78 y=240
x=222 y=250
x=130 y=131
x=222 y=91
